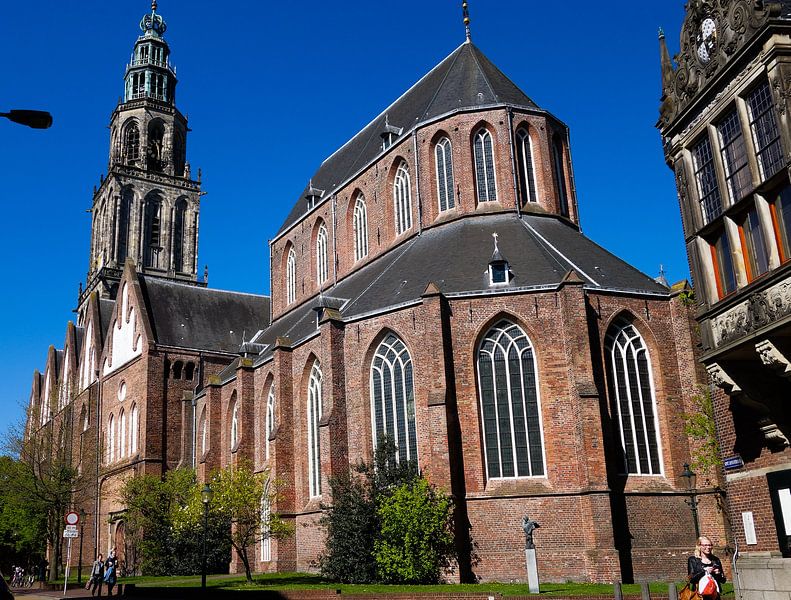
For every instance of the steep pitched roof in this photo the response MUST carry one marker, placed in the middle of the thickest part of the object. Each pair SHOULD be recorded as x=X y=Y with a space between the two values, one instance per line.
x=189 y=316
x=540 y=251
x=465 y=79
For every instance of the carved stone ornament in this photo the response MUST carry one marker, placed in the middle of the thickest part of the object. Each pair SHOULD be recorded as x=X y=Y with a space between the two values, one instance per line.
x=760 y=309
x=722 y=380
x=774 y=437
x=773 y=358
x=713 y=31
x=781 y=89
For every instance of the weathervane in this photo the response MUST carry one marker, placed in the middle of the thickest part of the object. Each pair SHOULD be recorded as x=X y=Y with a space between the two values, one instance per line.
x=466 y=11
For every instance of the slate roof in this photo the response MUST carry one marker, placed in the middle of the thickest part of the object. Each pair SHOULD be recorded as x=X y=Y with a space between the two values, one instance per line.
x=465 y=79
x=540 y=251
x=199 y=318
x=106 y=307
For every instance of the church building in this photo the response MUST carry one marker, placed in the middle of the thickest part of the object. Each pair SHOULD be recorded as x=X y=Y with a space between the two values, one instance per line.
x=430 y=283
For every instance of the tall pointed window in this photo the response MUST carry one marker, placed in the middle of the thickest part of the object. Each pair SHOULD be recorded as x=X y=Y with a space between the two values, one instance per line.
x=179 y=227
x=560 y=175
x=121 y=434
x=266 y=515
x=269 y=425
x=360 y=228
x=234 y=437
x=152 y=236
x=402 y=197
x=110 y=450
x=124 y=220
x=204 y=433
x=322 y=271
x=179 y=157
x=134 y=428
x=510 y=404
x=483 y=152
x=444 y=163
x=524 y=158
x=766 y=134
x=393 y=397
x=291 y=276
x=132 y=144
x=632 y=388
x=314 y=416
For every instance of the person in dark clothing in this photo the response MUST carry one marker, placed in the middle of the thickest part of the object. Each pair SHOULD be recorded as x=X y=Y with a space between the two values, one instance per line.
x=97 y=575
x=703 y=563
x=110 y=575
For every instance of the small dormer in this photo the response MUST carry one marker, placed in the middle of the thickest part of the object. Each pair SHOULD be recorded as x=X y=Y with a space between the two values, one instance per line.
x=313 y=196
x=499 y=269
x=390 y=134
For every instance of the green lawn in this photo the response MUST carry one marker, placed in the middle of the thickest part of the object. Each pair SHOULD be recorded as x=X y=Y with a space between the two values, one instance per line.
x=293 y=581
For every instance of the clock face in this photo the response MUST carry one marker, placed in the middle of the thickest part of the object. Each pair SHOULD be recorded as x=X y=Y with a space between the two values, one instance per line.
x=707 y=40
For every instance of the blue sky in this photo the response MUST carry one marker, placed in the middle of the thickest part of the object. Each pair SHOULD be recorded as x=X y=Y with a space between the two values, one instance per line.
x=270 y=90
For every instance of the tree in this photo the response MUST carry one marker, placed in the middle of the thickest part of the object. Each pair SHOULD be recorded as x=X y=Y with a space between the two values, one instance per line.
x=700 y=427
x=22 y=523
x=416 y=543
x=240 y=495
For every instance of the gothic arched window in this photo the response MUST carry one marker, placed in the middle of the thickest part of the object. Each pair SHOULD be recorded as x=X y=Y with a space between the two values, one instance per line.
x=393 y=397
x=291 y=276
x=632 y=388
x=266 y=528
x=121 y=434
x=155 y=158
x=178 y=154
x=153 y=232
x=124 y=220
x=360 y=228
x=234 y=425
x=314 y=416
x=179 y=228
x=204 y=433
x=134 y=428
x=560 y=174
x=444 y=159
x=524 y=158
x=510 y=405
x=269 y=424
x=402 y=198
x=110 y=450
x=483 y=151
x=132 y=144
x=322 y=271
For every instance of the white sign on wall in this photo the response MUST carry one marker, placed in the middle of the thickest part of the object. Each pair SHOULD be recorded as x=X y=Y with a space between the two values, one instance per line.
x=749 y=528
x=785 y=508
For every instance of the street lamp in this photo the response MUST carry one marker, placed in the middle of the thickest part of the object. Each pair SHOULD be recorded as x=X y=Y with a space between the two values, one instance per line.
x=692 y=479
x=82 y=529
x=37 y=119
x=205 y=496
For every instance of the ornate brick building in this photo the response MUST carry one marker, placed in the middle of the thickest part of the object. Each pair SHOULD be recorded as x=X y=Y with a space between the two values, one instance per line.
x=431 y=282
x=726 y=132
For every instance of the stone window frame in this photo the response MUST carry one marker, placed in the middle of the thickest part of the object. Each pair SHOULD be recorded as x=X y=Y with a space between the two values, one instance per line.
x=291 y=276
x=322 y=252
x=402 y=198
x=484 y=165
x=525 y=160
x=443 y=153
x=314 y=414
x=360 y=228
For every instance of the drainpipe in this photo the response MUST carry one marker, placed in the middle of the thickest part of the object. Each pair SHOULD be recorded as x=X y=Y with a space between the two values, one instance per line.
x=417 y=184
x=513 y=160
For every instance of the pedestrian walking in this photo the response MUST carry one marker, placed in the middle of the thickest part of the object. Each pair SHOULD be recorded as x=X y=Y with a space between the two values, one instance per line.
x=97 y=575
x=110 y=575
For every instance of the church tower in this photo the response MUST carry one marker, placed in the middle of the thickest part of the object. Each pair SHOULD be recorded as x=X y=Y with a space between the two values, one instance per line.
x=147 y=208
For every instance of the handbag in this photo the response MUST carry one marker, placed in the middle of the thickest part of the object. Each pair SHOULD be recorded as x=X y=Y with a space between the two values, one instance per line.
x=708 y=587
x=688 y=592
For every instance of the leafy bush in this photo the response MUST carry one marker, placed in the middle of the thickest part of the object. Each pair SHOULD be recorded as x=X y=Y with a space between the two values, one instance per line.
x=415 y=542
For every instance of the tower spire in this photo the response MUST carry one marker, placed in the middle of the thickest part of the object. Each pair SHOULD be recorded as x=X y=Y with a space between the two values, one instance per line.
x=466 y=11
x=667 y=63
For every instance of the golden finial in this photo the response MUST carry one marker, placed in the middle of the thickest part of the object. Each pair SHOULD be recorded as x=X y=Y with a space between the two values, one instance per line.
x=466 y=11
x=153 y=5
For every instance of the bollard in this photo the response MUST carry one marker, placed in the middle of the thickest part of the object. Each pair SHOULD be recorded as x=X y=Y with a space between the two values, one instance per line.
x=617 y=591
x=672 y=591
x=645 y=594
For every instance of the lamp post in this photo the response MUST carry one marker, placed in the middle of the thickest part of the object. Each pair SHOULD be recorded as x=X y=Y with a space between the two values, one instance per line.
x=692 y=479
x=82 y=529
x=37 y=119
x=205 y=496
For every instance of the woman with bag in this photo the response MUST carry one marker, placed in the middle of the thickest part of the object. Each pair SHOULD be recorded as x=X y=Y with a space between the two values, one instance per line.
x=110 y=566
x=705 y=573
x=97 y=574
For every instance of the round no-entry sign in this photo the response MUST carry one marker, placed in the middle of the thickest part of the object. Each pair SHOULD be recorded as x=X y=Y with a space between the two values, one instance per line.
x=71 y=518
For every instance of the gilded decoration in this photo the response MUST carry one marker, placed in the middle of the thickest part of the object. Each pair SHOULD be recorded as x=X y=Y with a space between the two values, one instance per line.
x=760 y=309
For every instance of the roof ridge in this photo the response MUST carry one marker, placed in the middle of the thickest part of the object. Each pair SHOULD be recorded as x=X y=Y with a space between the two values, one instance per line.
x=444 y=78
x=483 y=73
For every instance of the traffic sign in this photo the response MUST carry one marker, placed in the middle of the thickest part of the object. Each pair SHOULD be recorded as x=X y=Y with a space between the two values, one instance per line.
x=71 y=533
x=71 y=528
x=71 y=518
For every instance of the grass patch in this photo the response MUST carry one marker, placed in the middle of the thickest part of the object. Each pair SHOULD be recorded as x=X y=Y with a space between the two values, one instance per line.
x=305 y=581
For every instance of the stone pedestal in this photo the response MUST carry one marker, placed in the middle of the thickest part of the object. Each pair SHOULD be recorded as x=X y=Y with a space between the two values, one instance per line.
x=532 y=570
